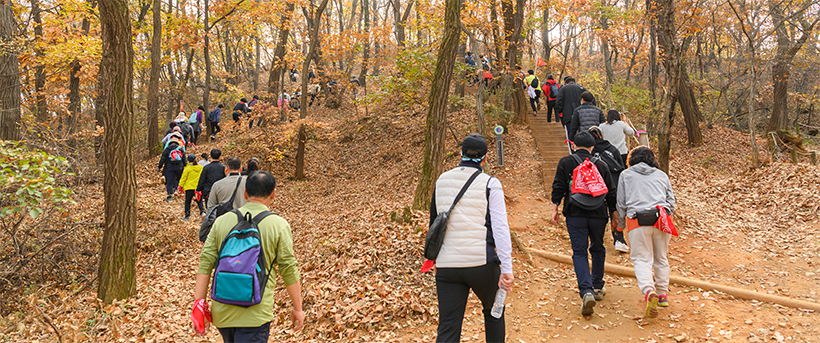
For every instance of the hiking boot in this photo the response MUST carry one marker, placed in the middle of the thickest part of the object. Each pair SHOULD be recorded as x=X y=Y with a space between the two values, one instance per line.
x=622 y=247
x=599 y=293
x=169 y=198
x=651 y=304
x=588 y=304
x=663 y=301
x=186 y=218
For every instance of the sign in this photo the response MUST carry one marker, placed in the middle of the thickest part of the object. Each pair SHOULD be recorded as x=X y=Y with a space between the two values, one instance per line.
x=499 y=142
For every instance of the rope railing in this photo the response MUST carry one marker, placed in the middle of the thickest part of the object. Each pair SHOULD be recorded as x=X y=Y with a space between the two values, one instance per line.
x=812 y=155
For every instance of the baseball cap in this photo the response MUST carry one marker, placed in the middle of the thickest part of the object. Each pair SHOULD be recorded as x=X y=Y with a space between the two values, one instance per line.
x=475 y=143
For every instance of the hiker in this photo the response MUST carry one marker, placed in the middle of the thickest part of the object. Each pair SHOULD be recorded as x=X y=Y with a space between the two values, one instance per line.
x=211 y=173
x=294 y=100
x=253 y=102
x=284 y=100
x=586 y=218
x=586 y=115
x=488 y=77
x=476 y=245
x=171 y=127
x=188 y=184
x=608 y=153
x=469 y=59
x=469 y=72
x=252 y=166
x=174 y=131
x=313 y=90
x=647 y=187
x=550 y=91
x=186 y=129
x=293 y=74
x=485 y=61
x=569 y=97
x=203 y=161
x=615 y=131
x=532 y=81
x=196 y=122
x=214 y=117
x=311 y=74
x=222 y=190
x=239 y=110
x=251 y=113
x=171 y=164
x=248 y=324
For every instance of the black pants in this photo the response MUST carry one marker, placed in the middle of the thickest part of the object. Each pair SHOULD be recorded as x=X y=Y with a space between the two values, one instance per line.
x=236 y=116
x=172 y=176
x=453 y=287
x=246 y=335
x=190 y=195
x=534 y=101
x=587 y=233
x=550 y=110
x=216 y=128
x=196 y=133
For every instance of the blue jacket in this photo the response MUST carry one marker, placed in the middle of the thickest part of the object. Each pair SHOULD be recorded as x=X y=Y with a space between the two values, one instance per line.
x=217 y=113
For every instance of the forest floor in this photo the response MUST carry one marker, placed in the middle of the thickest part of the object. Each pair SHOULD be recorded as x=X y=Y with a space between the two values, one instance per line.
x=359 y=248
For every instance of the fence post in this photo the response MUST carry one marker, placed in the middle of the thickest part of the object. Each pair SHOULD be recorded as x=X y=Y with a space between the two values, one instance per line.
x=794 y=155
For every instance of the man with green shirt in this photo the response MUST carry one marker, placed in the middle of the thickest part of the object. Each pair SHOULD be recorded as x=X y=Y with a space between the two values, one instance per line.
x=252 y=324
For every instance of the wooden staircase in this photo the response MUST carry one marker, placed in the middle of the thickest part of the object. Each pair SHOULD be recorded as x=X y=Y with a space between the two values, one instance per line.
x=549 y=140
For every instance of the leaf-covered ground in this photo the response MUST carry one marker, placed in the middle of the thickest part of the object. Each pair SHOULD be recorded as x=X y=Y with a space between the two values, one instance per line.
x=359 y=249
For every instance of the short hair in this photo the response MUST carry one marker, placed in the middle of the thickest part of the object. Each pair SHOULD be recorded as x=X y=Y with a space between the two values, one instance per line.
x=216 y=154
x=253 y=164
x=243 y=100
x=204 y=155
x=256 y=97
x=584 y=140
x=530 y=72
x=220 y=106
x=234 y=163
x=550 y=77
x=260 y=184
x=192 y=158
x=172 y=125
x=569 y=79
x=596 y=132
x=642 y=154
x=201 y=107
x=612 y=116
x=587 y=96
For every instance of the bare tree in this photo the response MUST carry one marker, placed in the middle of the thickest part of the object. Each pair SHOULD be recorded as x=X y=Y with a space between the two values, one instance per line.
x=153 y=83
x=9 y=76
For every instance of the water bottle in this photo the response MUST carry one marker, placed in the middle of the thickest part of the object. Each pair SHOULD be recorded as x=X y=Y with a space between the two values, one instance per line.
x=498 y=305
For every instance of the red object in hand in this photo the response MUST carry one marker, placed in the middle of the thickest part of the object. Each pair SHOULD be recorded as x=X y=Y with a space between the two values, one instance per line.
x=200 y=314
x=665 y=223
x=428 y=264
x=180 y=189
x=198 y=195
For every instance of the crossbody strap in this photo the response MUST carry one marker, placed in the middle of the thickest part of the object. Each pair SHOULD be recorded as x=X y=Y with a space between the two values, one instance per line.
x=464 y=189
x=233 y=195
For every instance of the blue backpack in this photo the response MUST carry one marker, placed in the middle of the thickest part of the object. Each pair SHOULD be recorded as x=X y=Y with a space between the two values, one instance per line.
x=177 y=155
x=241 y=271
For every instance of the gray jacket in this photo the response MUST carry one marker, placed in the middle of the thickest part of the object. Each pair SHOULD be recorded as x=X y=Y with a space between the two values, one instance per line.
x=641 y=187
x=222 y=190
x=584 y=117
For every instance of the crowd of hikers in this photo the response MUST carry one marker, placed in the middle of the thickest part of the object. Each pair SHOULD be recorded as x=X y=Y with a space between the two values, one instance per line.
x=468 y=244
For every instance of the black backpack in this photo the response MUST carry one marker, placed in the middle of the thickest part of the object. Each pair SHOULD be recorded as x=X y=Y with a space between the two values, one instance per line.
x=214 y=212
x=584 y=201
x=614 y=163
x=212 y=115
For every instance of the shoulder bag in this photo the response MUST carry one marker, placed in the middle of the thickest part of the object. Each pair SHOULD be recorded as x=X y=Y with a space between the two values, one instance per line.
x=435 y=235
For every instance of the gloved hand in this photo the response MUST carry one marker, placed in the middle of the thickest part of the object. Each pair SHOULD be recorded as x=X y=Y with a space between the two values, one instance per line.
x=200 y=316
x=180 y=189
x=198 y=195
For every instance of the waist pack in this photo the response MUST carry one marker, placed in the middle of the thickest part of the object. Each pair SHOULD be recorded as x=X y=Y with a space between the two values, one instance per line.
x=647 y=217
x=241 y=270
x=435 y=235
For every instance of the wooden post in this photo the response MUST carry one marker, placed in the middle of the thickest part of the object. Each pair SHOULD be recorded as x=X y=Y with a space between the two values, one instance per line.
x=814 y=158
x=794 y=155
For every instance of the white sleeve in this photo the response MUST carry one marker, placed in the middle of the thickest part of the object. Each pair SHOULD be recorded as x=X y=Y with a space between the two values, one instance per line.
x=501 y=230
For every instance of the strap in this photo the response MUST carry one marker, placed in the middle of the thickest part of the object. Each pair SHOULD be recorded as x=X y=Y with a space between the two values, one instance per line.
x=578 y=159
x=464 y=189
x=233 y=195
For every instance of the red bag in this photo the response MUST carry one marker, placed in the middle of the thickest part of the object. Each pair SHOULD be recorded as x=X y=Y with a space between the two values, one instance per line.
x=587 y=180
x=664 y=222
x=200 y=314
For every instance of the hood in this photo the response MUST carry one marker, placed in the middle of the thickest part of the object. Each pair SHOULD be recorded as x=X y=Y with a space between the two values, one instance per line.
x=643 y=169
x=602 y=144
x=552 y=82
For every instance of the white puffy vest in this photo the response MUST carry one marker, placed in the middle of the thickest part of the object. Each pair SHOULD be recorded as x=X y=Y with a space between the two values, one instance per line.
x=465 y=241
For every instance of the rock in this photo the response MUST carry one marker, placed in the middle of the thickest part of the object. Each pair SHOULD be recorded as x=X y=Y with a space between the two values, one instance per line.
x=755 y=339
x=749 y=322
x=681 y=338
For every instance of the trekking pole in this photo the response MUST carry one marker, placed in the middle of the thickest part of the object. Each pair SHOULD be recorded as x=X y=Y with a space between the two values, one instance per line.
x=566 y=134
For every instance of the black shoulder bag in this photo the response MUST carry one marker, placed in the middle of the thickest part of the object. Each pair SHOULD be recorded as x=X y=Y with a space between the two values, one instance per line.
x=435 y=235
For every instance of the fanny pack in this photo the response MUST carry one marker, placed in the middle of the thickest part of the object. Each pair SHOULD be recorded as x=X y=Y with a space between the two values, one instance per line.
x=647 y=217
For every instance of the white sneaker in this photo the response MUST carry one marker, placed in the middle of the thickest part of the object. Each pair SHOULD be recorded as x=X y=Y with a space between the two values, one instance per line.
x=621 y=247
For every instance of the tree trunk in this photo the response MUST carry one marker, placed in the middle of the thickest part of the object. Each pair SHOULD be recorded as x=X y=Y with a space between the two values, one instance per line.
x=40 y=69
x=278 y=66
x=545 y=38
x=9 y=76
x=303 y=106
x=118 y=255
x=433 y=162
x=401 y=20
x=479 y=106
x=206 y=90
x=664 y=11
x=152 y=145
x=257 y=68
x=366 y=49
x=689 y=107
x=514 y=97
x=74 y=98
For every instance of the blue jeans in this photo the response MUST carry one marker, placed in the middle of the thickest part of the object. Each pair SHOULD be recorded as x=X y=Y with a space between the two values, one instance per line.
x=246 y=335
x=587 y=233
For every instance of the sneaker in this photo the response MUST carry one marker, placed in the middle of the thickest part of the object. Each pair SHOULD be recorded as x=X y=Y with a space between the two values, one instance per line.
x=599 y=293
x=186 y=218
x=588 y=304
x=663 y=301
x=621 y=247
x=169 y=198
x=651 y=304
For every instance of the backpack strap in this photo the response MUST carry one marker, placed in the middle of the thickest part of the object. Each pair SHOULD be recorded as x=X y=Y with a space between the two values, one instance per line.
x=233 y=195
x=255 y=221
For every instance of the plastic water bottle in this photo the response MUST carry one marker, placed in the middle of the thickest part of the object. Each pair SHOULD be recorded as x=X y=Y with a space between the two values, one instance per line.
x=498 y=305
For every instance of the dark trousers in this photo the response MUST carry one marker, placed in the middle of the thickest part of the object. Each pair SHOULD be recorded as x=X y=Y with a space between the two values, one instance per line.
x=587 y=233
x=534 y=101
x=216 y=128
x=246 y=335
x=172 y=176
x=550 y=110
x=618 y=236
x=453 y=287
x=236 y=116
x=190 y=195
x=196 y=133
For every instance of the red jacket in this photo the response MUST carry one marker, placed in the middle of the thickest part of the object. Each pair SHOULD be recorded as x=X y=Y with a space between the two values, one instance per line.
x=545 y=89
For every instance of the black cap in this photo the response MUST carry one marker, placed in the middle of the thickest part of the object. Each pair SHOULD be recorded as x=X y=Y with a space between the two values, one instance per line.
x=584 y=140
x=476 y=143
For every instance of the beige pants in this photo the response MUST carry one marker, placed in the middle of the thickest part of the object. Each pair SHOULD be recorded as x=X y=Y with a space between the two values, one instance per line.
x=648 y=249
